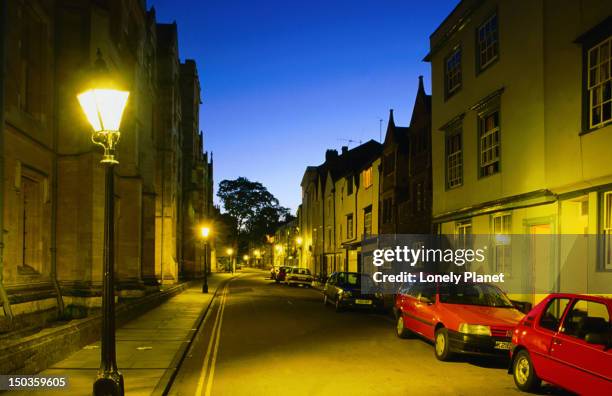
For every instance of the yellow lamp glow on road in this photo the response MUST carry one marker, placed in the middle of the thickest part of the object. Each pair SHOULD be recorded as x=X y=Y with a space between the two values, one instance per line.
x=204 y=232
x=103 y=108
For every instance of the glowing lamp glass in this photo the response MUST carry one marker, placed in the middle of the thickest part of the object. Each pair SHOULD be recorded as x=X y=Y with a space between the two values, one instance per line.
x=103 y=108
x=204 y=231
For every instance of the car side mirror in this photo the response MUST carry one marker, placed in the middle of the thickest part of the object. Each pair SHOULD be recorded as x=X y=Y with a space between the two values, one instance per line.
x=598 y=339
x=425 y=300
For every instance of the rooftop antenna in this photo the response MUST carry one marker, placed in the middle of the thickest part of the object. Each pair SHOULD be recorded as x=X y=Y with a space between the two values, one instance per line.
x=349 y=141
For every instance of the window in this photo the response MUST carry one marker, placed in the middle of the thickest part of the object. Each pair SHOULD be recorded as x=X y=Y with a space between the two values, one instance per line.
x=349 y=226
x=367 y=221
x=487 y=42
x=387 y=211
x=349 y=185
x=452 y=72
x=462 y=230
x=32 y=61
x=489 y=144
x=454 y=158
x=419 y=197
x=600 y=84
x=501 y=234
x=606 y=231
x=586 y=317
x=551 y=318
x=367 y=177
x=389 y=163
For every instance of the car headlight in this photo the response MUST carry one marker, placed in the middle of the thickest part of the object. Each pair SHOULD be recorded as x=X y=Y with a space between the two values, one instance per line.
x=475 y=329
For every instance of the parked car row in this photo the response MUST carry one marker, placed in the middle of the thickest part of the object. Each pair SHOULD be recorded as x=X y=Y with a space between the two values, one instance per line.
x=292 y=276
x=565 y=340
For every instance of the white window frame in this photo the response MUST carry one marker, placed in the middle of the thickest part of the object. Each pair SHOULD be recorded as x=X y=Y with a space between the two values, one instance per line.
x=606 y=230
x=462 y=230
x=488 y=41
x=599 y=59
x=489 y=144
x=454 y=159
x=452 y=76
x=501 y=224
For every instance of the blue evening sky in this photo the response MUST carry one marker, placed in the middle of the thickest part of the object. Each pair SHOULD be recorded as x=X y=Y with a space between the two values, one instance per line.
x=282 y=81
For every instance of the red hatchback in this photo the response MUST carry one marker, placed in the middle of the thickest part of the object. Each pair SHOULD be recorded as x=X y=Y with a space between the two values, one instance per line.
x=465 y=318
x=565 y=340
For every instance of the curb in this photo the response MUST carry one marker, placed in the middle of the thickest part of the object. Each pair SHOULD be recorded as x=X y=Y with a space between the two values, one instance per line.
x=167 y=379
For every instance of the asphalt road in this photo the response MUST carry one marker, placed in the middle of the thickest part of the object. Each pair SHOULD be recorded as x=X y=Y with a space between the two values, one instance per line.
x=260 y=338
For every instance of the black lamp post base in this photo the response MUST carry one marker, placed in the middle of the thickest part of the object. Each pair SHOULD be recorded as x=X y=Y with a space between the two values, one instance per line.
x=109 y=384
x=205 y=287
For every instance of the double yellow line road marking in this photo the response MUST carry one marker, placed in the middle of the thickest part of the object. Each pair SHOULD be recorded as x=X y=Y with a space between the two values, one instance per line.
x=207 y=372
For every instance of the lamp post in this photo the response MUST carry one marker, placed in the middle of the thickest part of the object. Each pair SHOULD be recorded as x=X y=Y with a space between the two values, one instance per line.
x=230 y=252
x=298 y=242
x=204 y=233
x=103 y=104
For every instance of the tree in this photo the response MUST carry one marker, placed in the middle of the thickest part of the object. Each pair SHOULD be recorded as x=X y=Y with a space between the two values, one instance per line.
x=256 y=211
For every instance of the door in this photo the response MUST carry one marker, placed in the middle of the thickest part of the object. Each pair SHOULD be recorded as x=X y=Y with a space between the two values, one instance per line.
x=541 y=262
x=424 y=308
x=583 y=367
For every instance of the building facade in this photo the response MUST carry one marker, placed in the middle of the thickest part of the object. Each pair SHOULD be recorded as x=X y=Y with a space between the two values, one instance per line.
x=53 y=185
x=405 y=182
x=521 y=121
x=339 y=208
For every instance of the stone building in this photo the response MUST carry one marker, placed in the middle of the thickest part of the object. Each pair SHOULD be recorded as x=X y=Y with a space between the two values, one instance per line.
x=339 y=208
x=521 y=130
x=405 y=184
x=53 y=185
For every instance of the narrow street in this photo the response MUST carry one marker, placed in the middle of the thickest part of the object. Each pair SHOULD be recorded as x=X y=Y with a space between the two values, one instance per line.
x=271 y=339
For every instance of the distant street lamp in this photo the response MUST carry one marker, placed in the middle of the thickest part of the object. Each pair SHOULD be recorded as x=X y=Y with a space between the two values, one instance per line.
x=230 y=252
x=245 y=258
x=103 y=104
x=204 y=233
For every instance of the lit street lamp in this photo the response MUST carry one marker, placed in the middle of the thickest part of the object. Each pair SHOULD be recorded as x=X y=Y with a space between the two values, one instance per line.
x=103 y=104
x=230 y=252
x=204 y=233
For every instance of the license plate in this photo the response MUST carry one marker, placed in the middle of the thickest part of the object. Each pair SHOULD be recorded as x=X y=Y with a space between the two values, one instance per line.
x=364 y=302
x=503 y=345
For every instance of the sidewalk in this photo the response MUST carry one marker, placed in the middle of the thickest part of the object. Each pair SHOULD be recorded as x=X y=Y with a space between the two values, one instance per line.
x=148 y=348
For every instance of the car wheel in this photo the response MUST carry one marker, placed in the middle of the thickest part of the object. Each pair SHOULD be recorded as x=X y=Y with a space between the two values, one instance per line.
x=441 y=346
x=523 y=372
x=338 y=305
x=400 y=330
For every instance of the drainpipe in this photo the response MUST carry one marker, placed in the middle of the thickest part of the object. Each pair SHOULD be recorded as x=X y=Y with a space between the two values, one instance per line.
x=58 y=291
x=3 y=295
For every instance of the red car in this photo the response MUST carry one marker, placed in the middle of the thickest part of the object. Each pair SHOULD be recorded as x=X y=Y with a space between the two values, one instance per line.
x=565 y=340
x=468 y=318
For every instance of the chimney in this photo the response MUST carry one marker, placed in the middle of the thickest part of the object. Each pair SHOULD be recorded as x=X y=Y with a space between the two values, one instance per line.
x=344 y=149
x=330 y=154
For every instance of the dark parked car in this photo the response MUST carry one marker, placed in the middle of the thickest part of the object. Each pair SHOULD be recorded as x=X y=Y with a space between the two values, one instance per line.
x=282 y=273
x=347 y=289
x=565 y=340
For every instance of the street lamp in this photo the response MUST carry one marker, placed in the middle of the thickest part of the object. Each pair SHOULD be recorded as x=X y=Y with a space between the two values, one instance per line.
x=103 y=104
x=230 y=252
x=204 y=233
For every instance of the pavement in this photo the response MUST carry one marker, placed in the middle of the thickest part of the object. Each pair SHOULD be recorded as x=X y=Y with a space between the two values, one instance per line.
x=263 y=338
x=149 y=348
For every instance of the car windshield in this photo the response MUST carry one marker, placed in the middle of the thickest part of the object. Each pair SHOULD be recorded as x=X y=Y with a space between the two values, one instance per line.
x=353 y=279
x=474 y=294
x=304 y=271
